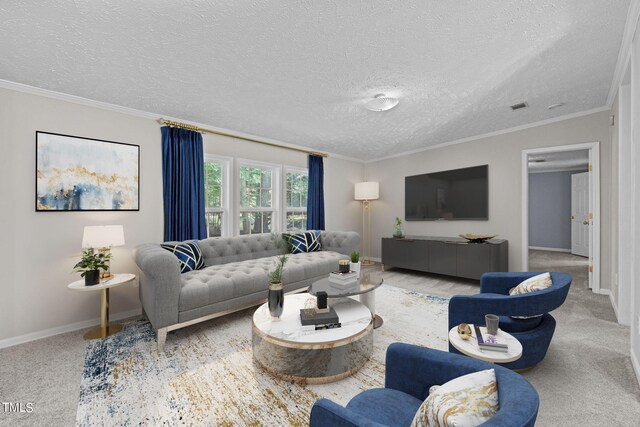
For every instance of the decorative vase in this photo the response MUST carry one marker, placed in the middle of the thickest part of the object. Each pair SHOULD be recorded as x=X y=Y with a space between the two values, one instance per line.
x=355 y=266
x=398 y=233
x=91 y=277
x=276 y=299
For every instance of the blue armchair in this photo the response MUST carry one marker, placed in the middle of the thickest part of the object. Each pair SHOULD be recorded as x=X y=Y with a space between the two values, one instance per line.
x=534 y=333
x=410 y=372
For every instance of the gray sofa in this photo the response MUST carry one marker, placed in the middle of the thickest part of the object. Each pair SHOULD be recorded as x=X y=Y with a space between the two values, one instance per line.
x=235 y=277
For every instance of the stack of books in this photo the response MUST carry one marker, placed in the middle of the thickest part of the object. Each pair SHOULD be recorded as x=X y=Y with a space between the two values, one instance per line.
x=343 y=279
x=489 y=344
x=317 y=321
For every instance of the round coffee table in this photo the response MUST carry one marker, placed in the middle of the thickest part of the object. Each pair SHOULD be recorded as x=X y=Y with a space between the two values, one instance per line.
x=470 y=346
x=287 y=350
x=364 y=288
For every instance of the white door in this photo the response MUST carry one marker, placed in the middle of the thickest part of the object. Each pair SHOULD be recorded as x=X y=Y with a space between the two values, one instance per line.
x=580 y=222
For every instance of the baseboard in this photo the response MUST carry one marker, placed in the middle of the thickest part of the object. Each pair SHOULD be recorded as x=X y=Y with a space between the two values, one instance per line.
x=605 y=292
x=540 y=248
x=613 y=303
x=9 y=342
x=636 y=365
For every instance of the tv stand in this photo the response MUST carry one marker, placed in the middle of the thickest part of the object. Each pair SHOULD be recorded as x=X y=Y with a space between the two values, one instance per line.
x=452 y=256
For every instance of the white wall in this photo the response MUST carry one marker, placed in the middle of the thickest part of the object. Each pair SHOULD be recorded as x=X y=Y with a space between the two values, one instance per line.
x=503 y=154
x=39 y=249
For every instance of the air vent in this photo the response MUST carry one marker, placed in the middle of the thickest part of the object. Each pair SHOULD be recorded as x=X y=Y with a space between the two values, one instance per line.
x=519 y=106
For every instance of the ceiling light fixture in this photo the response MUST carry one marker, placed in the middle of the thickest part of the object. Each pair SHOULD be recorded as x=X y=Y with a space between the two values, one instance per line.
x=381 y=102
x=558 y=105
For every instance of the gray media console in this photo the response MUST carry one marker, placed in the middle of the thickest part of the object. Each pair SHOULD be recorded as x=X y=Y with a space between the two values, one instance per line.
x=452 y=256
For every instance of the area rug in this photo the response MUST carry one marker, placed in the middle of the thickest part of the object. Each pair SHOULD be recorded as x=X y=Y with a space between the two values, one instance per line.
x=207 y=375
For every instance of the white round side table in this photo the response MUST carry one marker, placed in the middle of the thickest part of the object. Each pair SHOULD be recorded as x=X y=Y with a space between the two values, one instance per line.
x=105 y=329
x=470 y=346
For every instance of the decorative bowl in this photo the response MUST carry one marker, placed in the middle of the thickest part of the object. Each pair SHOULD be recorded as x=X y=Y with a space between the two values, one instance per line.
x=464 y=331
x=477 y=238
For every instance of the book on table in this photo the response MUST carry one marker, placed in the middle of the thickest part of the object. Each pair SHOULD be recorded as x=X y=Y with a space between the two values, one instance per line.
x=310 y=317
x=336 y=275
x=486 y=344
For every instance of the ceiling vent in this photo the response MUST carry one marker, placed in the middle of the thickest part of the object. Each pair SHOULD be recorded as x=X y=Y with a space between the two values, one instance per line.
x=519 y=106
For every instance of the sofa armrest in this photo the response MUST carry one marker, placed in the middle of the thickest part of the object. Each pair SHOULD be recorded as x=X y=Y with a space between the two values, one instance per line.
x=343 y=242
x=159 y=284
x=327 y=413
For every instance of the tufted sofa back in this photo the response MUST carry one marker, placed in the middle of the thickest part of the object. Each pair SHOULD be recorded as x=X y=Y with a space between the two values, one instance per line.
x=223 y=250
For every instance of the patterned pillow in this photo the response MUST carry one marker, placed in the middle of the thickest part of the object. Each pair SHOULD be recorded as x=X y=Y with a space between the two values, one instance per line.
x=469 y=400
x=532 y=284
x=309 y=241
x=189 y=255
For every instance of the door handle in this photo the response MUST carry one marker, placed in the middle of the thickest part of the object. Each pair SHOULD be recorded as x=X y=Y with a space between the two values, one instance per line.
x=573 y=217
x=585 y=222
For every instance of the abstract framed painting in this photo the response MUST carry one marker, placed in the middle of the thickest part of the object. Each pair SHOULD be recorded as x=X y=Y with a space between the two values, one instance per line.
x=85 y=174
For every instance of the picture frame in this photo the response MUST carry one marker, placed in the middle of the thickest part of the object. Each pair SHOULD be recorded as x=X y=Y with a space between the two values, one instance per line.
x=75 y=173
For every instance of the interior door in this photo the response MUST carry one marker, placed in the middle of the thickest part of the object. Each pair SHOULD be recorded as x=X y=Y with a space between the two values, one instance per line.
x=580 y=222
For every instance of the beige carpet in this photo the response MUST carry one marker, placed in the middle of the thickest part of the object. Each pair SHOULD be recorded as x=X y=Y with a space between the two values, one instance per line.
x=586 y=379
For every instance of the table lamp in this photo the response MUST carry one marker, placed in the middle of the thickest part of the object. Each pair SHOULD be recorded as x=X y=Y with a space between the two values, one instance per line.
x=366 y=191
x=103 y=238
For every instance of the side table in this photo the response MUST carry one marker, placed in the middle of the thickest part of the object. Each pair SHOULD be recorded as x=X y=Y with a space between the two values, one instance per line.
x=105 y=329
x=470 y=346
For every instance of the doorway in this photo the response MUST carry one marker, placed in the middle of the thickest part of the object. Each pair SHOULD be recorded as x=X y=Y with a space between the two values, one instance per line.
x=560 y=207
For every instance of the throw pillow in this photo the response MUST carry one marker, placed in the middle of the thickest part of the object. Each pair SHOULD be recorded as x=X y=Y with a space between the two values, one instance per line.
x=309 y=241
x=188 y=253
x=469 y=400
x=532 y=284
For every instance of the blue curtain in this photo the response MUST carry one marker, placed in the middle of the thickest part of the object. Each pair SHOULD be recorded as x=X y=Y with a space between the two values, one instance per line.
x=315 y=194
x=183 y=184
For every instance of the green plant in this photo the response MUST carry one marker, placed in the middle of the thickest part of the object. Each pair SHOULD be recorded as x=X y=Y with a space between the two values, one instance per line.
x=398 y=222
x=355 y=257
x=92 y=260
x=275 y=275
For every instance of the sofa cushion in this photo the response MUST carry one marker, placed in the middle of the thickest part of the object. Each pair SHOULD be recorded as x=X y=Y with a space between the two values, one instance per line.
x=308 y=241
x=188 y=253
x=386 y=406
x=226 y=281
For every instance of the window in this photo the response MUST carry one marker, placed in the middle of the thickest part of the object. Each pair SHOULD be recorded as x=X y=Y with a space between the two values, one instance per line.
x=258 y=198
x=296 y=185
x=216 y=188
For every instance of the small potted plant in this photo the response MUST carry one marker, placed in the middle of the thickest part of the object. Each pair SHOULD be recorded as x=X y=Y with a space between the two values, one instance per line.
x=397 y=229
x=355 y=262
x=90 y=264
x=276 y=291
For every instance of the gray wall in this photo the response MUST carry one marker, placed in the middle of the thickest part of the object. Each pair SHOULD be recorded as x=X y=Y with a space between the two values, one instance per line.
x=550 y=209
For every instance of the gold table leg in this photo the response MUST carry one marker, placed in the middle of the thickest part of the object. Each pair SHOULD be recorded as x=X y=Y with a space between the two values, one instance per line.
x=105 y=329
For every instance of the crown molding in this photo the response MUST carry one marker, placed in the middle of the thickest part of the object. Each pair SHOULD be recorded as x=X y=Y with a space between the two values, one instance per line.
x=19 y=87
x=624 y=54
x=496 y=133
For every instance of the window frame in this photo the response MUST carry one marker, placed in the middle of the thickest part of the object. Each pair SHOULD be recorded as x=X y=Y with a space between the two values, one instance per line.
x=276 y=207
x=226 y=189
x=285 y=208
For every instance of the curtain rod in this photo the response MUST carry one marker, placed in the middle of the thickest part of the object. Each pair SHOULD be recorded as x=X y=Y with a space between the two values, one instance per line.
x=272 y=144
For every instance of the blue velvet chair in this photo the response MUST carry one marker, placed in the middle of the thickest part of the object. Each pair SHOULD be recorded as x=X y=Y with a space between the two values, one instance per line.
x=410 y=372
x=535 y=333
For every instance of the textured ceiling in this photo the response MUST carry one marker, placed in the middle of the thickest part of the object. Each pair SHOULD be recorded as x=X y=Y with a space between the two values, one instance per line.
x=301 y=71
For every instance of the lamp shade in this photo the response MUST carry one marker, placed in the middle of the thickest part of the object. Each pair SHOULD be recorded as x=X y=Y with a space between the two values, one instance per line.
x=102 y=236
x=368 y=190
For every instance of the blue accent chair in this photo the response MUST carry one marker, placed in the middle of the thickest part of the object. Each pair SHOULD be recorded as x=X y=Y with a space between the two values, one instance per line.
x=535 y=333
x=410 y=372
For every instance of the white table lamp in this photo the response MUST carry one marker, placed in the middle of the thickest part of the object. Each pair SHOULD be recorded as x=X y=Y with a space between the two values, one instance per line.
x=366 y=191
x=103 y=238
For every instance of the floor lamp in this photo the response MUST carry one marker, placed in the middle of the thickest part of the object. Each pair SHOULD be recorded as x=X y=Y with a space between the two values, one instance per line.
x=366 y=192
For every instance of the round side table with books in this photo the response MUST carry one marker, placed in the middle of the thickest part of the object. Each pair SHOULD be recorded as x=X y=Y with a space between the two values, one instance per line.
x=470 y=347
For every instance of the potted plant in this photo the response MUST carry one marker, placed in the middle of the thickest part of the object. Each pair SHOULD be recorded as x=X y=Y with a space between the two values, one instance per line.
x=355 y=262
x=90 y=264
x=397 y=229
x=276 y=291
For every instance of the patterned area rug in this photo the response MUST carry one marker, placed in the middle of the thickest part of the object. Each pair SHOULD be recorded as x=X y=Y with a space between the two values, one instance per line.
x=207 y=376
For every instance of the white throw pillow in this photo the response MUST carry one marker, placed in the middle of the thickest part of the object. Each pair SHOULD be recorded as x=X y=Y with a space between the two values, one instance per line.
x=532 y=284
x=466 y=401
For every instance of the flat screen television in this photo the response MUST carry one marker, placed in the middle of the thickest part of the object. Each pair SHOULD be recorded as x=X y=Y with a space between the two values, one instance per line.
x=460 y=194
